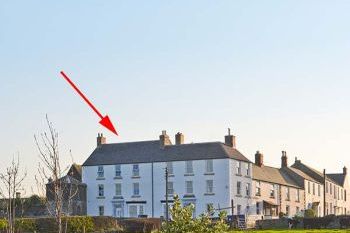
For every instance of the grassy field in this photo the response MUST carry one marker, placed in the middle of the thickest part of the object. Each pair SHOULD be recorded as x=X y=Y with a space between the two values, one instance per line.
x=298 y=231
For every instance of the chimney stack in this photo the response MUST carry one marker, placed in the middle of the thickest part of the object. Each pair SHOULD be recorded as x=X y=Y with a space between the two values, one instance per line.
x=284 y=159
x=179 y=138
x=230 y=140
x=100 y=139
x=164 y=139
x=345 y=170
x=259 y=159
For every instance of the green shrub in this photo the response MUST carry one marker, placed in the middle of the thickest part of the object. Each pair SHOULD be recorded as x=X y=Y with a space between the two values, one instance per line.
x=25 y=225
x=3 y=224
x=182 y=221
x=79 y=224
x=309 y=213
x=281 y=215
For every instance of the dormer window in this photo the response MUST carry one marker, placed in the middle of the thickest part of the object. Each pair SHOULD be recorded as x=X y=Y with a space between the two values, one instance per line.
x=100 y=172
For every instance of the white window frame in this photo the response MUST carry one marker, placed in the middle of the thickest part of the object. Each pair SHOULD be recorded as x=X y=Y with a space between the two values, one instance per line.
x=239 y=188
x=247 y=169
x=141 y=210
x=118 y=189
x=209 y=166
x=136 y=189
x=238 y=168
x=171 y=188
x=189 y=167
x=209 y=186
x=247 y=189
x=118 y=170
x=101 y=190
x=257 y=188
x=100 y=172
x=189 y=186
x=135 y=170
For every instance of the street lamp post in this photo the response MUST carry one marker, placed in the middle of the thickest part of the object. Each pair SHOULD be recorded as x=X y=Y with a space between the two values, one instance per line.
x=166 y=196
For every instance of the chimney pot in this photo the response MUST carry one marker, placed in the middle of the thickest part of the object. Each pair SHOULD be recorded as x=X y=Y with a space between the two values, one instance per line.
x=259 y=159
x=100 y=139
x=164 y=139
x=284 y=159
x=179 y=138
x=230 y=140
x=345 y=170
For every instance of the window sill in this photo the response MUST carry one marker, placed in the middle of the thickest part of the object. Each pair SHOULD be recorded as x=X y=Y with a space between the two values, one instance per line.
x=100 y=178
x=258 y=195
x=209 y=194
x=247 y=176
x=101 y=197
x=118 y=177
x=189 y=196
x=238 y=195
x=135 y=177
x=287 y=199
x=209 y=173
x=170 y=175
x=272 y=197
x=238 y=174
x=189 y=174
x=135 y=196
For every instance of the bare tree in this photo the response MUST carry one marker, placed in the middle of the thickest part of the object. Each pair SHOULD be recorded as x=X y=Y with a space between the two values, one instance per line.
x=11 y=180
x=52 y=180
x=50 y=170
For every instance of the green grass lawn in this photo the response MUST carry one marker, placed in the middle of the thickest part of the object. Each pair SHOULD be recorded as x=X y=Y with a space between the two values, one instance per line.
x=300 y=231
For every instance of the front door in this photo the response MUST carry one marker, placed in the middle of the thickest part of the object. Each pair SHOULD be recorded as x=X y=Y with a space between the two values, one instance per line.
x=118 y=210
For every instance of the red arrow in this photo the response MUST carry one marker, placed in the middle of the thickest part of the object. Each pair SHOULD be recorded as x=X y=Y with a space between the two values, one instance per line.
x=105 y=121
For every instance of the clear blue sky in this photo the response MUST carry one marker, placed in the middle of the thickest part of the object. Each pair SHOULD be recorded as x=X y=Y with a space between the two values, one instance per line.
x=276 y=72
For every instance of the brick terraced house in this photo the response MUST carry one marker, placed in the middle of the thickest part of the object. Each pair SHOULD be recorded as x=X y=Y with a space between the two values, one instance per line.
x=275 y=190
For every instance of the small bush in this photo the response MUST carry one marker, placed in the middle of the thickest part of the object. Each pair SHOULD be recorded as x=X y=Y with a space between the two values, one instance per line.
x=310 y=213
x=3 y=224
x=79 y=224
x=281 y=215
x=25 y=225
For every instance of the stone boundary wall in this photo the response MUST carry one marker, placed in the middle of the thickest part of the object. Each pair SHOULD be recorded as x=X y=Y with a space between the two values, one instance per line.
x=328 y=222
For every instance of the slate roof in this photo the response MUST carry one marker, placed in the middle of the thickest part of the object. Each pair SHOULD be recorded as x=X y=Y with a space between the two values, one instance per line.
x=273 y=175
x=315 y=174
x=150 y=151
x=339 y=178
x=302 y=174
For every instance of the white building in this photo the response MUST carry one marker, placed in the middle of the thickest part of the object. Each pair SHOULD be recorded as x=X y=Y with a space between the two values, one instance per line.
x=128 y=179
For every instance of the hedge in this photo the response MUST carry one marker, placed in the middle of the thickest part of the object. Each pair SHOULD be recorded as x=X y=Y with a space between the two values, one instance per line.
x=89 y=224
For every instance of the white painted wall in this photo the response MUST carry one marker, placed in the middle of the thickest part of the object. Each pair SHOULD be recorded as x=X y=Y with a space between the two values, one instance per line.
x=224 y=183
x=243 y=200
